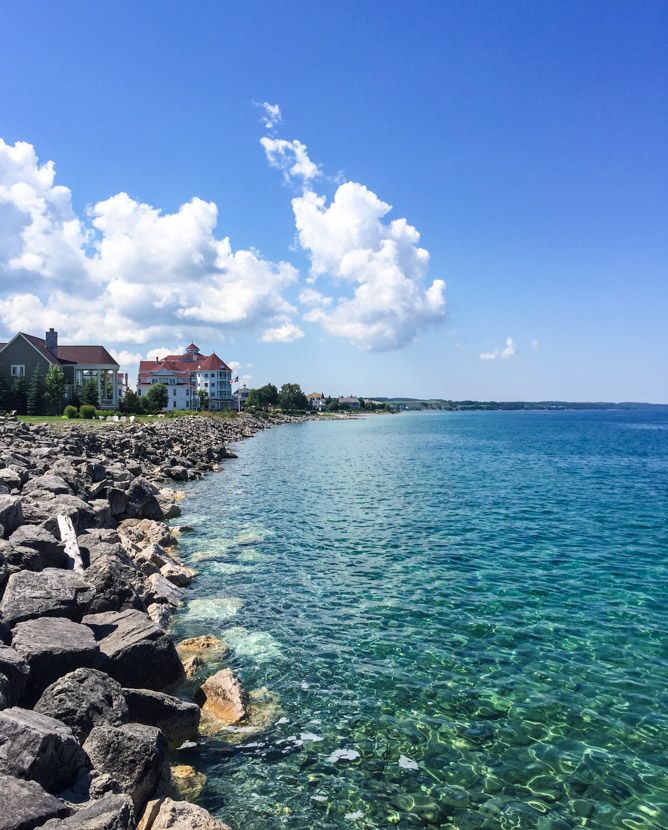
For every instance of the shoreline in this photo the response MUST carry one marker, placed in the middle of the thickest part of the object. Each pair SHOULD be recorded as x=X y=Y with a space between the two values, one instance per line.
x=89 y=579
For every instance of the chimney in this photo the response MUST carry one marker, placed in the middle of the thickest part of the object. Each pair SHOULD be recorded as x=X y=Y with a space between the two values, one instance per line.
x=52 y=342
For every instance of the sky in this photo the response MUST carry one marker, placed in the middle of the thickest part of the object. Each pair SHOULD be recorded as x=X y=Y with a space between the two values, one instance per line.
x=429 y=199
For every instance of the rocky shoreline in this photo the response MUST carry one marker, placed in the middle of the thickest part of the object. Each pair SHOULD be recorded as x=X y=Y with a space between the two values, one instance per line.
x=89 y=577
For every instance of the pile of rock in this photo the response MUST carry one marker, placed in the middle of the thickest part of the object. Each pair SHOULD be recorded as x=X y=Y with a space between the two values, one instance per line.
x=88 y=579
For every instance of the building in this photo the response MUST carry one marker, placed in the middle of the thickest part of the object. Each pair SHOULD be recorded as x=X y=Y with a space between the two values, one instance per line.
x=242 y=392
x=25 y=353
x=351 y=402
x=186 y=376
x=317 y=401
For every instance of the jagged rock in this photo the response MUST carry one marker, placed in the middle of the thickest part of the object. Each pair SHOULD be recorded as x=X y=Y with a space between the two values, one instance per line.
x=142 y=501
x=178 y=473
x=187 y=782
x=223 y=696
x=42 y=507
x=47 y=484
x=111 y=812
x=51 y=551
x=10 y=478
x=133 y=755
x=166 y=814
x=137 y=534
x=3 y=567
x=11 y=514
x=23 y=559
x=195 y=652
x=160 y=614
x=177 y=719
x=15 y=669
x=39 y=748
x=51 y=593
x=118 y=501
x=161 y=590
x=52 y=648
x=191 y=665
x=178 y=574
x=136 y=652
x=83 y=699
x=25 y=805
x=114 y=581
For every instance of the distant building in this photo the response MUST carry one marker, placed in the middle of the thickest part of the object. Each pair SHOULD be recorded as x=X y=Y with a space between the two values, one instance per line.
x=185 y=376
x=25 y=353
x=351 y=402
x=317 y=401
x=242 y=393
x=122 y=385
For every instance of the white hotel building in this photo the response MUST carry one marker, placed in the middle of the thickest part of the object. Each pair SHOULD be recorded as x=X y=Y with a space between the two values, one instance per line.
x=185 y=375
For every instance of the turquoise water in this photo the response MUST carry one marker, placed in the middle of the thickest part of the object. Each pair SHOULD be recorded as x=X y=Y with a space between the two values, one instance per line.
x=457 y=620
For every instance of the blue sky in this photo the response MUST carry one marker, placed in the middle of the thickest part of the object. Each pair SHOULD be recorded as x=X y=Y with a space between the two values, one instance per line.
x=525 y=142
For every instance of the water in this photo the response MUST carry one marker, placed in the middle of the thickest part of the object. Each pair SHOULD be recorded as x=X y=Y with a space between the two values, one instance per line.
x=456 y=620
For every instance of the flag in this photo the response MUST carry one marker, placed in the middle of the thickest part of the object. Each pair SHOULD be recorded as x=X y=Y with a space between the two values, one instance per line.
x=236 y=379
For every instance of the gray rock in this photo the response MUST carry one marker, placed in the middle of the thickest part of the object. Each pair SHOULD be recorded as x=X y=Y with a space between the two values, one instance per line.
x=16 y=670
x=26 y=805
x=11 y=513
x=118 y=501
x=135 y=651
x=52 y=648
x=133 y=755
x=42 y=507
x=167 y=814
x=162 y=591
x=23 y=559
x=39 y=748
x=114 y=581
x=51 y=593
x=50 y=550
x=178 y=720
x=142 y=501
x=47 y=484
x=83 y=699
x=112 y=812
x=10 y=479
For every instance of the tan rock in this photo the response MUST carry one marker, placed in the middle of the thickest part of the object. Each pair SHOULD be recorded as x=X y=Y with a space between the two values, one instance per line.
x=192 y=664
x=225 y=697
x=166 y=814
x=187 y=783
x=198 y=645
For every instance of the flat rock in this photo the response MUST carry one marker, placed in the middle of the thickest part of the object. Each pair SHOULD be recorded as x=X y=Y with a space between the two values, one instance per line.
x=39 y=748
x=48 y=484
x=136 y=652
x=134 y=756
x=50 y=550
x=26 y=805
x=53 y=648
x=225 y=697
x=177 y=719
x=83 y=699
x=112 y=812
x=166 y=814
x=50 y=593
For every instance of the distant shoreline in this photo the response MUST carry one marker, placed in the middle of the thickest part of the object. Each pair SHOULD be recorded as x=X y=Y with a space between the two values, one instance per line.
x=438 y=404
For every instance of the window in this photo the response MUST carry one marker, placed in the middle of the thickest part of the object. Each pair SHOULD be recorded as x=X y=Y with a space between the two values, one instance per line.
x=18 y=370
x=174 y=392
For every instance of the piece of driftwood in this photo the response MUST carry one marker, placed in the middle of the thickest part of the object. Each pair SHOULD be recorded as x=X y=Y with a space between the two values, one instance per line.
x=69 y=537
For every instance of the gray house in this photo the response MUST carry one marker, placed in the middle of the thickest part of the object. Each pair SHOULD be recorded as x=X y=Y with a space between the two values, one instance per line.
x=24 y=353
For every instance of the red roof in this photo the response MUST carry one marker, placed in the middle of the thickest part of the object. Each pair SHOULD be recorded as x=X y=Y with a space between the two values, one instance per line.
x=192 y=347
x=183 y=364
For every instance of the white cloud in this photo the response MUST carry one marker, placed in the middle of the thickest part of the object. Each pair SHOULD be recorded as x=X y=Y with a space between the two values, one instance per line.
x=313 y=299
x=289 y=156
x=282 y=334
x=128 y=273
x=381 y=262
x=271 y=115
x=534 y=343
x=508 y=351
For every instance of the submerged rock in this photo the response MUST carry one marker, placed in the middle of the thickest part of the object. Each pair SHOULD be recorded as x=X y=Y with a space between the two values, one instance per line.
x=224 y=696
x=187 y=783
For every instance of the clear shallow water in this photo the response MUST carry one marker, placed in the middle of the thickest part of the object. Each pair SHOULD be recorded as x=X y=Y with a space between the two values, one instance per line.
x=471 y=607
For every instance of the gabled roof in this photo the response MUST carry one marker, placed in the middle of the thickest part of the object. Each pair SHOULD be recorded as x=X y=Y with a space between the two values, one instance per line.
x=212 y=362
x=40 y=345
x=68 y=355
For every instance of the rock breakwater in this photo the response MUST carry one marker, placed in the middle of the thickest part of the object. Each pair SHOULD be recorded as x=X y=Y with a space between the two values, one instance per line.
x=89 y=577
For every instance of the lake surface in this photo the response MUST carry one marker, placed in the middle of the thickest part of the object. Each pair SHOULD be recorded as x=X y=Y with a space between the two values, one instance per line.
x=454 y=620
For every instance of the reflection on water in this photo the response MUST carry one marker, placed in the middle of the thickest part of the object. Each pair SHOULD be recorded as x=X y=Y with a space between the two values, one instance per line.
x=457 y=620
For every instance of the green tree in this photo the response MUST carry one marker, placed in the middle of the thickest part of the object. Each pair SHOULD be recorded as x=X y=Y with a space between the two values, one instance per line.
x=263 y=397
x=89 y=392
x=203 y=396
x=291 y=397
x=18 y=396
x=35 y=394
x=75 y=396
x=130 y=403
x=155 y=399
x=54 y=388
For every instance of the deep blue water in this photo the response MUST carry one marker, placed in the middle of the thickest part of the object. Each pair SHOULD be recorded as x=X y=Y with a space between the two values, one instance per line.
x=472 y=605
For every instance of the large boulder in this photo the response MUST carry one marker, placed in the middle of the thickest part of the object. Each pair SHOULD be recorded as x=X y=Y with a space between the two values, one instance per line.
x=15 y=669
x=111 y=812
x=142 y=501
x=50 y=593
x=39 y=748
x=53 y=648
x=115 y=581
x=177 y=719
x=134 y=756
x=11 y=513
x=46 y=484
x=51 y=551
x=83 y=699
x=26 y=805
x=135 y=651
x=166 y=814
x=223 y=696
x=10 y=479
x=42 y=507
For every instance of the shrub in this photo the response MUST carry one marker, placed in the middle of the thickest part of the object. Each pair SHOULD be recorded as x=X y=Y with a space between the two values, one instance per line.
x=71 y=412
x=101 y=412
x=87 y=411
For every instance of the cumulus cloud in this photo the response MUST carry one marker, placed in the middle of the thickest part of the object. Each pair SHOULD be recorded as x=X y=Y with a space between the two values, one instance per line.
x=508 y=351
x=271 y=114
x=282 y=334
x=128 y=273
x=291 y=157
